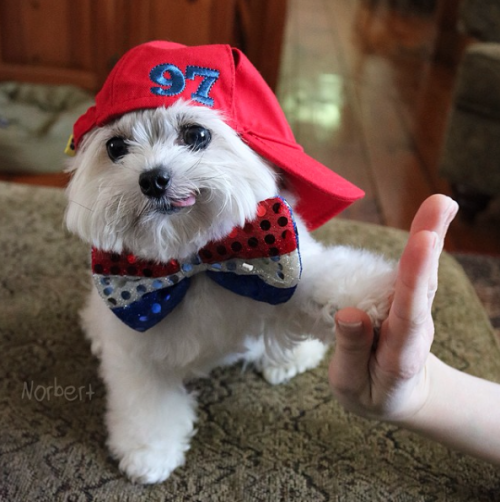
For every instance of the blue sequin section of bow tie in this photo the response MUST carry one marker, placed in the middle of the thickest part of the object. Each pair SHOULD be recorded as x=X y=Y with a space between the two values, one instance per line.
x=260 y=260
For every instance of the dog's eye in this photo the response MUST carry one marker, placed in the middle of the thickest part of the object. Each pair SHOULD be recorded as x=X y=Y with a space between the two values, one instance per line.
x=117 y=148
x=196 y=137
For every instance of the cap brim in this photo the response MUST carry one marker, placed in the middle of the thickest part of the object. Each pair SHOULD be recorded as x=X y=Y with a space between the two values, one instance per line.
x=322 y=193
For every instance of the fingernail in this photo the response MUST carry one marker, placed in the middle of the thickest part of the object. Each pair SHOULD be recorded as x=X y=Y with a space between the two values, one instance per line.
x=452 y=210
x=350 y=325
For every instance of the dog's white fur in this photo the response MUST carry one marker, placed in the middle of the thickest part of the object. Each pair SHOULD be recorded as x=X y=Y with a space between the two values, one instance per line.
x=150 y=415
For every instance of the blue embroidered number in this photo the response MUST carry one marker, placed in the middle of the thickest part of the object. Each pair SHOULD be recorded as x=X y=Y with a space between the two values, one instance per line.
x=177 y=81
x=210 y=77
x=171 y=86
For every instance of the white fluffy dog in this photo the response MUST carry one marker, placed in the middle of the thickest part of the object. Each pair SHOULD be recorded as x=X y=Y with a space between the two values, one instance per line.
x=159 y=184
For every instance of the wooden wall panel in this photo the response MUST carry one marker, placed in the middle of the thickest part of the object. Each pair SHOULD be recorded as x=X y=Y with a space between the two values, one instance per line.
x=263 y=26
x=11 y=32
x=184 y=21
x=80 y=23
x=46 y=31
x=222 y=23
x=139 y=14
x=47 y=41
x=79 y=41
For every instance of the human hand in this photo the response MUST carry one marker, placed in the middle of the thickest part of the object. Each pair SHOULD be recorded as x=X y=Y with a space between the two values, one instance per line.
x=389 y=381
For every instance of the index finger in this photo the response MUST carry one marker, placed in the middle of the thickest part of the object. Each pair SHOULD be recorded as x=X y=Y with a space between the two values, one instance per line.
x=414 y=288
x=407 y=334
x=434 y=215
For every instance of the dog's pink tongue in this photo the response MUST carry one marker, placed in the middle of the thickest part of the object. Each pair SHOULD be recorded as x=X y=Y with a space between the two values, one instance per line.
x=188 y=201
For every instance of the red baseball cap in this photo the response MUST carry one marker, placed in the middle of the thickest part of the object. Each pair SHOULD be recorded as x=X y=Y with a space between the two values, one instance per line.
x=159 y=73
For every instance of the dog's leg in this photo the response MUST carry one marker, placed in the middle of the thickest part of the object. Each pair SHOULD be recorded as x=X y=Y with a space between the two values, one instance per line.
x=334 y=278
x=150 y=416
x=281 y=365
x=304 y=356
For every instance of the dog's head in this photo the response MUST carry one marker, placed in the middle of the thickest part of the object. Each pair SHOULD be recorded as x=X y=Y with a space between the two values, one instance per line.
x=161 y=183
x=171 y=155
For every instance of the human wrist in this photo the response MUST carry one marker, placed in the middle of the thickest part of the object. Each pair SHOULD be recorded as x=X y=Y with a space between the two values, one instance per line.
x=427 y=398
x=458 y=412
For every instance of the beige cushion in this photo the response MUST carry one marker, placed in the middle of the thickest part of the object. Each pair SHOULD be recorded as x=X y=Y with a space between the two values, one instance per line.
x=35 y=124
x=471 y=149
x=254 y=442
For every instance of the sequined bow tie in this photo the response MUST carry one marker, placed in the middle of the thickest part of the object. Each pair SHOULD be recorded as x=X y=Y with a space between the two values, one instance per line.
x=260 y=260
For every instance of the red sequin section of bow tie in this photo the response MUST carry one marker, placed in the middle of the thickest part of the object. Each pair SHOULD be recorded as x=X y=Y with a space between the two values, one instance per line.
x=272 y=233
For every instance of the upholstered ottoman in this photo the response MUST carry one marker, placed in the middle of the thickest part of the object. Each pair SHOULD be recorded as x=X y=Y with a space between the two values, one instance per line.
x=481 y=19
x=254 y=442
x=471 y=151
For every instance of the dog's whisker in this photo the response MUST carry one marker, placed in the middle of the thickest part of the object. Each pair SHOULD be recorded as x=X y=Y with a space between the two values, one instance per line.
x=72 y=201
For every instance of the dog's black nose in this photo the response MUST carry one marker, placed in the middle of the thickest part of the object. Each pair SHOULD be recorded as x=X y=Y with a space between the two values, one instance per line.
x=154 y=183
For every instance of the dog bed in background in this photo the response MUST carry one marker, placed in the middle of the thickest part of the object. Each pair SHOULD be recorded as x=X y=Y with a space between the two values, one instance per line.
x=35 y=124
x=255 y=442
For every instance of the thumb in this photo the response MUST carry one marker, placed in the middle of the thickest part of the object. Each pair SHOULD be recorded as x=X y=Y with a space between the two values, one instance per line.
x=349 y=371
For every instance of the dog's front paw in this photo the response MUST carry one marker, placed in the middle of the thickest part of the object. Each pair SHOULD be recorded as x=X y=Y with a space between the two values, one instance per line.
x=150 y=465
x=305 y=356
x=379 y=311
x=377 y=299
